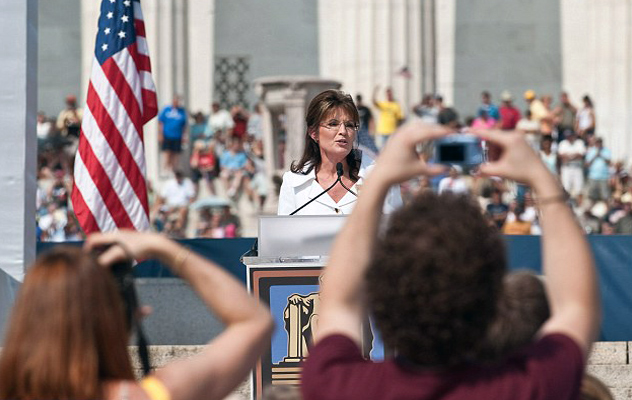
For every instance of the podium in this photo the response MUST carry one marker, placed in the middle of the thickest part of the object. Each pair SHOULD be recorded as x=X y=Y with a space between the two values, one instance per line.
x=284 y=271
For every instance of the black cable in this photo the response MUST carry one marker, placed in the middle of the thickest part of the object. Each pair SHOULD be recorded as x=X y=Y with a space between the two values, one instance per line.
x=349 y=190
x=312 y=200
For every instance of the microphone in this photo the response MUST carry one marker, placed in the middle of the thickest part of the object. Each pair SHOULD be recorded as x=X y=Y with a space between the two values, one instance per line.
x=339 y=170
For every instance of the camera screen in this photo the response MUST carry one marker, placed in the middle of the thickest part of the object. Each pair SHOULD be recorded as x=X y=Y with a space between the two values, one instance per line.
x=452 y=153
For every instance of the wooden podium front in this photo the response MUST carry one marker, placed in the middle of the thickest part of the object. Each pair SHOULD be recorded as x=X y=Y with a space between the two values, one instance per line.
x=289 y=284
x=290 y=288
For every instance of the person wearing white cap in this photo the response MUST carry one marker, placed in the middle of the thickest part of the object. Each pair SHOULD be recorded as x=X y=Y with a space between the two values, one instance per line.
x=509 y=114
x=571 y=152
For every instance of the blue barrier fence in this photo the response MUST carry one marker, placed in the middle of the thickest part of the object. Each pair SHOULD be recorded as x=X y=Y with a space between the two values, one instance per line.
x=613 y=255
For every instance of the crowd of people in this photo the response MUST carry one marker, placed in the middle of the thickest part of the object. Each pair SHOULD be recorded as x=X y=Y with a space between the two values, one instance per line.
x=210 y=161
x=459 y=326
x=598 y=186
x=57 y=141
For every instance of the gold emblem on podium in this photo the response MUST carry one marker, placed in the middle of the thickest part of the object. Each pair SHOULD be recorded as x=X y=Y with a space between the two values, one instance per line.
x=301 y=319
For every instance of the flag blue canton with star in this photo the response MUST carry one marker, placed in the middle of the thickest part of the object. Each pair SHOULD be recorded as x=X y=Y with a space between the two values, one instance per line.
x=116 y=28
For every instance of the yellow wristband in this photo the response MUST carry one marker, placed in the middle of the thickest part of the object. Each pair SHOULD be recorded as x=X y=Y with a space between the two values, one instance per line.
x=155 y=389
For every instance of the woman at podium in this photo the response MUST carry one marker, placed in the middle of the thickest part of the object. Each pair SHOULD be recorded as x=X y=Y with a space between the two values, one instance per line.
x=329 y=175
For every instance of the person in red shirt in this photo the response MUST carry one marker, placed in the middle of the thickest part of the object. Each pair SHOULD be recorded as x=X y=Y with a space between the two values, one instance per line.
x=240 y=118
x=432 y=283
x=204 y=165
x=509 y=115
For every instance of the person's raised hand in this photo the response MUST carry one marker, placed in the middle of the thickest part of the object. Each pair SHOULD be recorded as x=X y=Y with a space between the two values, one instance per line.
x=399 y=160
x=123 y=245
x=511 y=157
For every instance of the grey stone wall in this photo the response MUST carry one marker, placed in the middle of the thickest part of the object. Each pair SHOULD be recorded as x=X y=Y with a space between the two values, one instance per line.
x=506 y=45
x=279 y=37
x=179 y=317
x=59 y=53
x=609 y=362
x=162 y=355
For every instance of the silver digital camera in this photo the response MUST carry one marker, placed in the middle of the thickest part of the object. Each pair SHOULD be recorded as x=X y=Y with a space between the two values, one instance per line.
x=459 y=149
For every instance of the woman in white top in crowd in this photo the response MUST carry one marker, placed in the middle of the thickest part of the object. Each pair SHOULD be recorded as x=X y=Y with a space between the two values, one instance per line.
x=586 y=119
x=332 y=124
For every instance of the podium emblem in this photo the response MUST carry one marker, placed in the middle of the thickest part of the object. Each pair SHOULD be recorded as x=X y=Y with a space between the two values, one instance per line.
x=292 y=295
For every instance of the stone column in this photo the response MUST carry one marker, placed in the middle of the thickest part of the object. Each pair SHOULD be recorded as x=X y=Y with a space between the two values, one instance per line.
x=181 y=49
x=18 y=99
x=364 y=43
x=445 y=30
x=428 y=46
x=150 y=130
x=201 y=14
x=18 y=107
x=295 y=99
x=597 y=60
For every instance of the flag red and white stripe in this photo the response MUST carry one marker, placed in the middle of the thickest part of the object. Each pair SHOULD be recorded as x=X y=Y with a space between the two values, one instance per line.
x=110 y=187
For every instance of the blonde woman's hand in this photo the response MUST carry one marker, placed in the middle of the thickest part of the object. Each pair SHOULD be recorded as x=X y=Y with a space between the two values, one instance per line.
x=126 y=244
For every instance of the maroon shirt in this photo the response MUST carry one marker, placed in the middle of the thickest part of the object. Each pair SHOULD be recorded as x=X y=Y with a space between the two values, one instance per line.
x=509 y=117
x=551 y=368
x=241 y=126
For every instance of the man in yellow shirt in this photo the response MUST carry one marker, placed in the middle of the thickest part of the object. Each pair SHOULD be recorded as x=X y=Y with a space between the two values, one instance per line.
x=389 y=118
x=537 y=108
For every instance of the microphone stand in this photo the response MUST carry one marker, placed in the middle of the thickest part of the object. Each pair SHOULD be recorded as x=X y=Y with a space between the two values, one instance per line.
x=339 y=172
x=348 y=190
x=314 y=199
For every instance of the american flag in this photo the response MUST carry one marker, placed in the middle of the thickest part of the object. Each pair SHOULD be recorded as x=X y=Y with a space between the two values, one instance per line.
x=110 y=190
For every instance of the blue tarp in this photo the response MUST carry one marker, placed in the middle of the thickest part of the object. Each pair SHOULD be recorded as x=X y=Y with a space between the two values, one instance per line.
x=613 y=255
x=225 y=252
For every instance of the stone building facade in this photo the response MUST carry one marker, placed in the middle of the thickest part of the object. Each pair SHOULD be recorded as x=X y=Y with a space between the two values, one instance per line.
x=456 y=48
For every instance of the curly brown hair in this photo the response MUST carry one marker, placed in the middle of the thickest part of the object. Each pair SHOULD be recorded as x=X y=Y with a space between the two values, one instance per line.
x=435 y=278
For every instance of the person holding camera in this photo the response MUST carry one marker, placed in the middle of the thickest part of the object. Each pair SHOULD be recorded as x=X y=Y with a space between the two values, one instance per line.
x=67 y=337
x=432 y=283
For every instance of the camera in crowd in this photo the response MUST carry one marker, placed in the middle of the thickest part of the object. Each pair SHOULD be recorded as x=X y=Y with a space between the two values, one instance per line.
x=459 y=149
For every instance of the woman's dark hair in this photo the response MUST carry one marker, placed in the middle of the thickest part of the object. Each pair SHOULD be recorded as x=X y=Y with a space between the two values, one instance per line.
x=67 y=333
x=435 y=278
x=322 y=105
x=588 y=100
